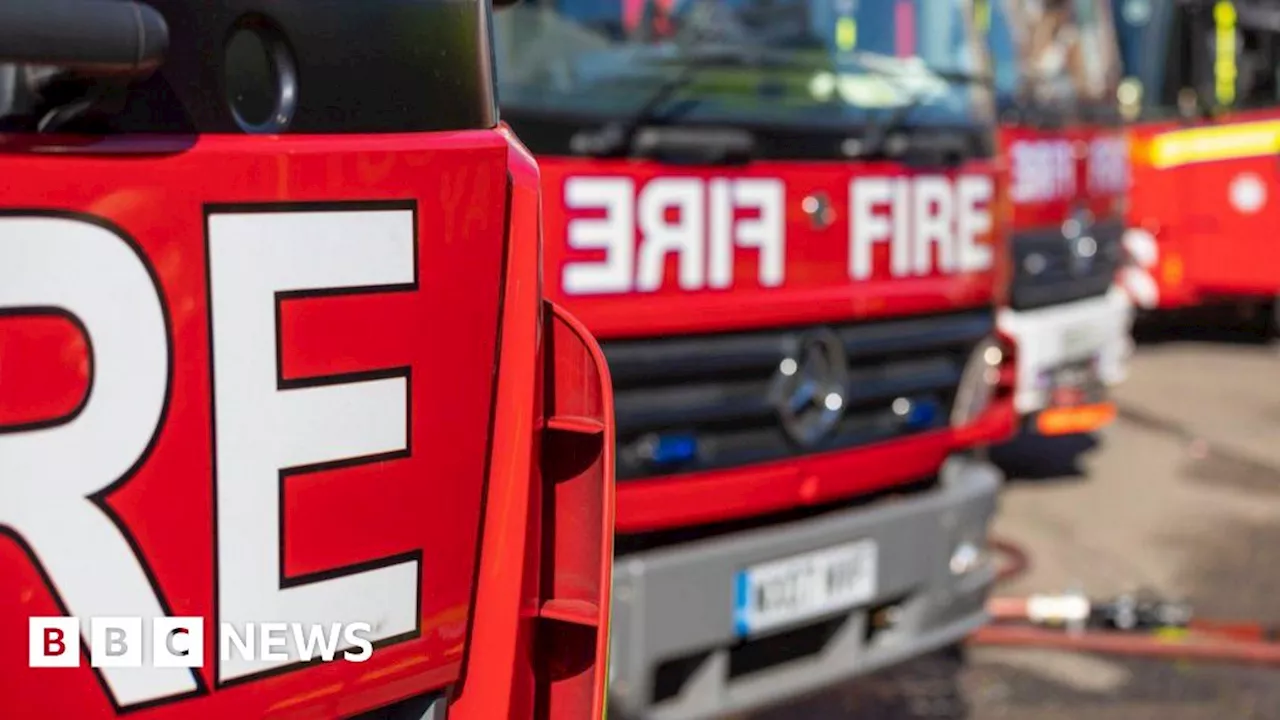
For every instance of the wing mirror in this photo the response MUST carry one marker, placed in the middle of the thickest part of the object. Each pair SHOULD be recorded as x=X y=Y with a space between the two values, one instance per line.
x=111 y=38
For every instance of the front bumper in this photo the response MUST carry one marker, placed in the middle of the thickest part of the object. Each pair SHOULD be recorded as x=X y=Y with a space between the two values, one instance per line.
x=1051 y=337
x=673 y=607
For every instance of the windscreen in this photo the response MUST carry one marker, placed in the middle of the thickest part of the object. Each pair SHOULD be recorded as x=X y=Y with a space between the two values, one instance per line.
x=825 y=63
x=1132 y=18
x=1059 y=53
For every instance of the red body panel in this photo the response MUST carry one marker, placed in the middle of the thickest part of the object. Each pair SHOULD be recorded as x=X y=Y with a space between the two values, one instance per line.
x=1156 y=205
x=158 y=201
x=538 y=613
x=1211 y=242
x=815 y=287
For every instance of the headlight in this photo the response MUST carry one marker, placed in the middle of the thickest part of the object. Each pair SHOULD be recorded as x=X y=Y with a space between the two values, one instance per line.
x=1079 y=224
x=978 y=382
x=1140 y=247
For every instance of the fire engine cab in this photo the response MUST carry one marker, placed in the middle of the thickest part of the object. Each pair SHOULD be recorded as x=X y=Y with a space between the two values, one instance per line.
x=781 y=220
x=1060 y=133
x=1202 y=91
x=287 y=428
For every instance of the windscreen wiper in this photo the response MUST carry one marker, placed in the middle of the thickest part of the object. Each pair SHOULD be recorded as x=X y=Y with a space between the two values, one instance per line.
x=877 y=141
x=616 y=139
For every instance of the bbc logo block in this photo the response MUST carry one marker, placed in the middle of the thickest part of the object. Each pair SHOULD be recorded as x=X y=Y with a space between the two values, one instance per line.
x=117 y=642
x=53 y=642
x=177 y=642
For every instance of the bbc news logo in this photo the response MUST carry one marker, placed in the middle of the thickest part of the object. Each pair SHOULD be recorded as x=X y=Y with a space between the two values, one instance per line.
x=179 y=642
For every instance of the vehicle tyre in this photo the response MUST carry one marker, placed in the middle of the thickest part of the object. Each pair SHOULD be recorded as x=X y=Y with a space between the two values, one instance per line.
x=1265 y=321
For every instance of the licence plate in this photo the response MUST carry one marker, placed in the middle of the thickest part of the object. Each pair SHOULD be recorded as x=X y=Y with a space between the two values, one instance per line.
x=1075 y=384
x=788 y=591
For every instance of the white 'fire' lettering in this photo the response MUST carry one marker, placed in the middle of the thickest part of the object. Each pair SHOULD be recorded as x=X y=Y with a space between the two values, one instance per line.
x=1042 y=171
x=930 y=222
x=1109 y=165
x=693 y=219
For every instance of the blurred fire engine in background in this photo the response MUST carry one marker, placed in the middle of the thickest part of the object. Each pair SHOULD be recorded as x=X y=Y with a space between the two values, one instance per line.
x=1202 y=91
x=1057 y=69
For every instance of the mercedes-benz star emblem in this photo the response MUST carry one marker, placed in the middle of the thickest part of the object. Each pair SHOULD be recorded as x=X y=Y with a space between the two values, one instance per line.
x=809 y=389
x=1082 y=248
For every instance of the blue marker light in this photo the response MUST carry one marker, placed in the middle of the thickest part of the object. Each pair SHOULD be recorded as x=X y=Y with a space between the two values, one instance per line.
x=923 y=413
x=669 y=448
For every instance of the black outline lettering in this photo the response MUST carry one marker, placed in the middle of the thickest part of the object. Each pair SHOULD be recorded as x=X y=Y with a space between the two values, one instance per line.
x=283 y=383
x=99 y=498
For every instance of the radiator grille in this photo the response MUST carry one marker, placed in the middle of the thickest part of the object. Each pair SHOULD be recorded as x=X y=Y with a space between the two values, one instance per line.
x=696 y=403
x=1047 y=272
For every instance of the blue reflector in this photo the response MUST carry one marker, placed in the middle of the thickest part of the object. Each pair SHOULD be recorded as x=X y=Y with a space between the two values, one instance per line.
x=924 y=412
x=671 y=448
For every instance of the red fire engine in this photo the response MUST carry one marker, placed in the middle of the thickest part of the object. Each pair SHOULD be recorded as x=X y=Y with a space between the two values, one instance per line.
x=274 y=353
x=1202 y=89
x=1057 y=71
x=783 y=221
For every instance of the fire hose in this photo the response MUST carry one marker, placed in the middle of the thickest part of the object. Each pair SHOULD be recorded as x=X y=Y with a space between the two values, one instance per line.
x=1136 y=625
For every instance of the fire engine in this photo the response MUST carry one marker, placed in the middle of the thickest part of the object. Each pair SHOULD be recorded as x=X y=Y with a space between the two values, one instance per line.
x=782 y=220
x=1060 y=133
x=274 y=351
x=1201 y=89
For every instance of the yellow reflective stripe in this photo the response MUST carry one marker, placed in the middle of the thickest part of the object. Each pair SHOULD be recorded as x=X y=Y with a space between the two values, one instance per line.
x=846 y=34
x=1172 y=634
x=1224 y=66
x=982 y=16
x=1223 y=142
